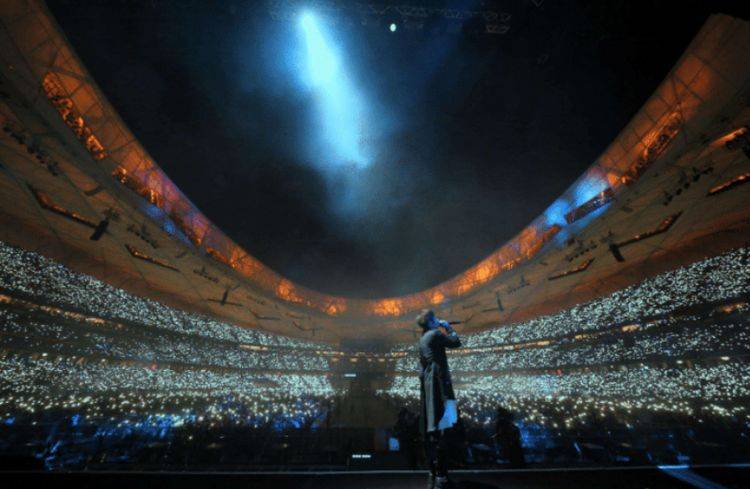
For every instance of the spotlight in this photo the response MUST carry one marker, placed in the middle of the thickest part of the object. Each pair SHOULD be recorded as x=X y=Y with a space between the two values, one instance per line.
x=392 y=20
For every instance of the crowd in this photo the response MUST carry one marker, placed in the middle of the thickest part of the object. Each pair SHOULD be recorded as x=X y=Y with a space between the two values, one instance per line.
x=714 y=279
x=648 y=387
x=659 y=340
x=125 y=415
x=97 y=389
x=677 y=344
x=33 y=330
x=74 y=348
x=33 y=275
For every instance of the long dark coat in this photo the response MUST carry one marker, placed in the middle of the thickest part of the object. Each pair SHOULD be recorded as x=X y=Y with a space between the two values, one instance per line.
x=435 y=378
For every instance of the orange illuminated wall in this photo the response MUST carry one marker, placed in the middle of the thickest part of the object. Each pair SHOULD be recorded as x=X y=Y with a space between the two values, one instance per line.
x=675 y=105
x=148 y=181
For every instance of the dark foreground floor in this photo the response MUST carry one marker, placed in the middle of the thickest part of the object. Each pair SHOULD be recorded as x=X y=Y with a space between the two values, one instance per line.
x=651 y=478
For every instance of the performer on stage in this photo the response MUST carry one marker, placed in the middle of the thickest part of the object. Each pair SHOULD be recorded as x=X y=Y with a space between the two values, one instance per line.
x=438 y=401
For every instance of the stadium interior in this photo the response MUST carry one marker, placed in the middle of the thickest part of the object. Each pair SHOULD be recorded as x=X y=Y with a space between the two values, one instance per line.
x=135 y=335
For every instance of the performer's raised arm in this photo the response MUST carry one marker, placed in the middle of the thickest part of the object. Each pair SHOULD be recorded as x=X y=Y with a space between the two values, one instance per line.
x=450 y=338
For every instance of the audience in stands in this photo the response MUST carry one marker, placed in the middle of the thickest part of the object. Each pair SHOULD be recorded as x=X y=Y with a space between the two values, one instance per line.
x=85 y=366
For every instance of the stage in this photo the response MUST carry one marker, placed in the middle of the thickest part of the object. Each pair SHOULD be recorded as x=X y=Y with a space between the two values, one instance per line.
x=703 y=477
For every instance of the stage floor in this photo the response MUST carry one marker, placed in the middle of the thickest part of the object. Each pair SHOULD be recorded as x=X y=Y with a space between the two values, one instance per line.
x=709 y=477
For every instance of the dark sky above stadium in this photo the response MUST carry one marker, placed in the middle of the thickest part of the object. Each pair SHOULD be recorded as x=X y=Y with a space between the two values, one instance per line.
x=468 y=137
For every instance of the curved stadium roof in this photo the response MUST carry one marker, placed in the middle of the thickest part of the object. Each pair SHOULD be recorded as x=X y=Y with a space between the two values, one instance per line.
x=653 y=200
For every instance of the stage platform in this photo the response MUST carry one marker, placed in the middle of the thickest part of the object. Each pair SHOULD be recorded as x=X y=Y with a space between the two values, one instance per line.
x=705 y=477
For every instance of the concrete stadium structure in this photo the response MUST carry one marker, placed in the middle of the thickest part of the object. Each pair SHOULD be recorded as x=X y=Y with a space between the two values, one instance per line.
x=668 y=191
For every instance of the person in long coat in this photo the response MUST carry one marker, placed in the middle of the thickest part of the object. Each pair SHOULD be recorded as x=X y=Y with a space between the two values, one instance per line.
x=437 y=399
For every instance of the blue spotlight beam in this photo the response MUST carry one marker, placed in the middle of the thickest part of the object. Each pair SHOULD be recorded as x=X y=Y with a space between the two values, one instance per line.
x=340 y=104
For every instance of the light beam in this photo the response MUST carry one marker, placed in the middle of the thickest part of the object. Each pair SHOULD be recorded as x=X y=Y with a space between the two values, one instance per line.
x=340 y=105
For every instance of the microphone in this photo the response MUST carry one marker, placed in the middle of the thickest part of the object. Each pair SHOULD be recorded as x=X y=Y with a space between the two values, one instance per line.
x=446 y=324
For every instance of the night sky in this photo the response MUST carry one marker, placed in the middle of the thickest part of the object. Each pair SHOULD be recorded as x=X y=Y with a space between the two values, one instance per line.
x=475 y=136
